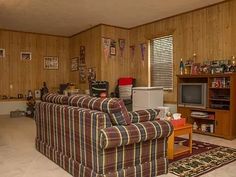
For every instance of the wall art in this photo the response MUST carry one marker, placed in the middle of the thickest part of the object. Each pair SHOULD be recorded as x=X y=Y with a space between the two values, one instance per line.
x=82 y=56
x=132 y=51
x=91 y=74
x=2 y=53
x=82 y=74
x=51 y=62
x=143 y=48
x=106 y=42
x=26 y=55
x=113 y=48
x=122 y=46
x=74 y=64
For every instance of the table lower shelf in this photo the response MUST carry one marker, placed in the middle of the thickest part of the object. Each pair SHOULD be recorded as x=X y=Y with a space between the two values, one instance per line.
x=180 y=149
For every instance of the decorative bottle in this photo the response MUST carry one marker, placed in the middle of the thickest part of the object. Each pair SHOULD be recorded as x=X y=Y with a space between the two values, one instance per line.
x=181 y=66
x=44 y=89
x=232 y=67
x=195 y=126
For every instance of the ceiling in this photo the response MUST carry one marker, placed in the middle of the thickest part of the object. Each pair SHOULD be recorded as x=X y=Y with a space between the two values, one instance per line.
x=67 y=17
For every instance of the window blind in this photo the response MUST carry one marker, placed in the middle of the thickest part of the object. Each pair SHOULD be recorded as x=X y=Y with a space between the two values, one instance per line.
x=161 y=62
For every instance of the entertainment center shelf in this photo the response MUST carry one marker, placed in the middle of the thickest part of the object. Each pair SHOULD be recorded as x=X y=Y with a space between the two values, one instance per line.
x=213 y=97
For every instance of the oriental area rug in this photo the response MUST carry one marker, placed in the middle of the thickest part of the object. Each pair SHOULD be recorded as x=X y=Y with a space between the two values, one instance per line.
x=205 y=157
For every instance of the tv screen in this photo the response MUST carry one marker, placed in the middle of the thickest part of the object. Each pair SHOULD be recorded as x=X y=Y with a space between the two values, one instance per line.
x=192 y=94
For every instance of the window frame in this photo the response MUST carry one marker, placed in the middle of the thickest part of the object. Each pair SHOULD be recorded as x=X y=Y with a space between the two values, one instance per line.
x=149 y=61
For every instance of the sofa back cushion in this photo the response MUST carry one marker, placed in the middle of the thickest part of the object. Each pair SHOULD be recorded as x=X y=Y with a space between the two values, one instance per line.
x=55 y=98
x=113 y=106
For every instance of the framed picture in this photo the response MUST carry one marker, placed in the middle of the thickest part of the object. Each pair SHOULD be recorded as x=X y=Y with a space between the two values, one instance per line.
x=25 y=55
x=74 y=64
x=122 y=46
x=195 y=68
x=2 y=53
x=82 y=74
x=113 y=48
x=82 y=56
x=106 y=42
x=51 y=63
x=91 y=74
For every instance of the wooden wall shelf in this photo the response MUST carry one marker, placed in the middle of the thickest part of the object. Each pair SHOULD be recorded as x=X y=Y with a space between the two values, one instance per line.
x=8 y=100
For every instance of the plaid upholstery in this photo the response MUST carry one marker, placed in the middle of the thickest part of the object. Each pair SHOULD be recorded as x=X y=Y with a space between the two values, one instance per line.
x=113 y=106
x=70 y=136
x=143 y=115
x=124 y=135
x=55 y=98
x=132 y=157
x=70 y=131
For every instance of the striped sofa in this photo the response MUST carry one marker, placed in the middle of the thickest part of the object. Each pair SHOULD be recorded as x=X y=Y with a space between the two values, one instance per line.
x=94 y=137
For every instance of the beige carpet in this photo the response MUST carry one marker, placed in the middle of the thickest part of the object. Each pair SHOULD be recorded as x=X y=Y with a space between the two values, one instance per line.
x=18 y=157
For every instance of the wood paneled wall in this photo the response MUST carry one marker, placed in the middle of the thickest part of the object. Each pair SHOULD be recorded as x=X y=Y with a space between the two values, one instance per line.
x=117 y=66
x=109 y=69
x=29 y=75
x=209 y=32
x=91 y=39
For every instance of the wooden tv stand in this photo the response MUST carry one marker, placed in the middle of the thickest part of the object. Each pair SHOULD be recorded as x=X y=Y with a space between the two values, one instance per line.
x=221 y=104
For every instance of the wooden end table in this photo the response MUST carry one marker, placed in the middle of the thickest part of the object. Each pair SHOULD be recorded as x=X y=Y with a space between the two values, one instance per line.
x=174 y=149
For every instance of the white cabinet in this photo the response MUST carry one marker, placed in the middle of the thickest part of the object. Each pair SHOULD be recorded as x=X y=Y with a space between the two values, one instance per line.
x=147 y=97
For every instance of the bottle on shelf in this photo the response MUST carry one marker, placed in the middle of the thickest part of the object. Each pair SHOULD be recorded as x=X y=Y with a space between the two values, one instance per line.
x=30 y=95
x=211 y=128
x=181 y=67
x=195 y=127
x=233 y=67
x=194 y=57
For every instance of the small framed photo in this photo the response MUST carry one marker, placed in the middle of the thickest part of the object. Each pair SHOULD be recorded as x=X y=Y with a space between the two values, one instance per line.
x=195 y=68
x=113 y=48
x=2 y=53
x=82 y=56
x=91 y=74
x=26 y=55
x=74 y=64
x=51 y=63
x=82 y=74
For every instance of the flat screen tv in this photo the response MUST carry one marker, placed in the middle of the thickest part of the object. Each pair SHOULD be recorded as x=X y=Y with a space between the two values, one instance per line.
x=192 y=95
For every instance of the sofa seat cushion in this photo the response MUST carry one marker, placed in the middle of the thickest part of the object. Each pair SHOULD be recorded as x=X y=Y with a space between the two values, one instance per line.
x=113 y=106
x=55 y=98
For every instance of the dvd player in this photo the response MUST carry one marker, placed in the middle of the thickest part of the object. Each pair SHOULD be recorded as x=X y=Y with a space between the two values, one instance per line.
x=199 y=114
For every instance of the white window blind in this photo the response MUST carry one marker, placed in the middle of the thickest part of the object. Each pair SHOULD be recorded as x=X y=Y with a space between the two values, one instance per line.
x=161 y=62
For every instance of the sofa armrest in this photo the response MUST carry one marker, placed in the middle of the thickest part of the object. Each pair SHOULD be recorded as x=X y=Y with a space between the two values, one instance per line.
x=143 y=115
x=134 y=133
